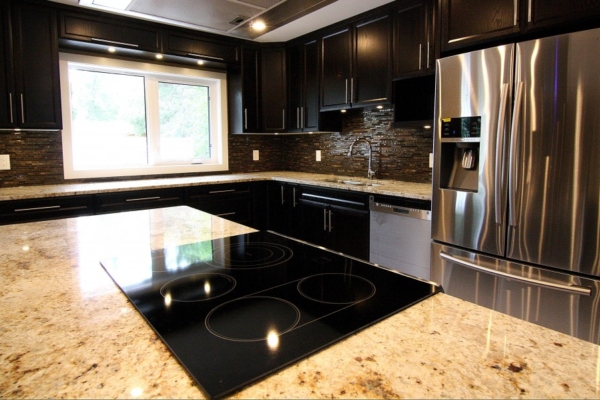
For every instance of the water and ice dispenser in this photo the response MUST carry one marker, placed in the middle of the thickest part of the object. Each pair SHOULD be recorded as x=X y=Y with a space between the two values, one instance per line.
x=460 y=138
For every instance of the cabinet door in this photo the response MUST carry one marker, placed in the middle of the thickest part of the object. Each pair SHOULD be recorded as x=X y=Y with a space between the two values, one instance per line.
x=26 y=210
x=273 y=90
x=37 y=85
x=349 y=229
x=542 y=13
x=138 y=200
x=410 y=40
x=310 y=105
x=250 y=81
x=109 y=31
x=477 y=21
x=7 y=90
x=295 y=88
x=314 y=222
x=189 y=46
x=373 y=63
x=336 y=72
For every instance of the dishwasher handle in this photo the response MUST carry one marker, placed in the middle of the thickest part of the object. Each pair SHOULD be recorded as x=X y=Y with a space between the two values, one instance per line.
x=398 y=210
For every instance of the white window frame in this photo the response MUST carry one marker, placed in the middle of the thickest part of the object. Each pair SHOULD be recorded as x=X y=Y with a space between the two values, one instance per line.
x=217 y=82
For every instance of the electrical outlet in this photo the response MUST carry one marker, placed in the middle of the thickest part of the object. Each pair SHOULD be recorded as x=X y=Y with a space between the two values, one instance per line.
x=430 y=160
x=318 y=155
x=255 y=156
x=4 y=161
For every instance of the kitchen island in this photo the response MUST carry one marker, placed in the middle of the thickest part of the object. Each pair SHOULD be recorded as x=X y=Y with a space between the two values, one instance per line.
x=68 y=331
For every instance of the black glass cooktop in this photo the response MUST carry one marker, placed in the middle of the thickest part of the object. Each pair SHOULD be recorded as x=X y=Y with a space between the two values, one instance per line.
x=236 y=309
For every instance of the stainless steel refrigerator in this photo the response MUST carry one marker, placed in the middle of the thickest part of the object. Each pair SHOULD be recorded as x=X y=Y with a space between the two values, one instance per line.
x=516 y=180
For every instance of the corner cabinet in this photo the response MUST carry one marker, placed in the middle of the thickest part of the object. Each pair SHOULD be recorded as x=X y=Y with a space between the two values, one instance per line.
x=30 y=86
x=414 y=44
x=350 y=57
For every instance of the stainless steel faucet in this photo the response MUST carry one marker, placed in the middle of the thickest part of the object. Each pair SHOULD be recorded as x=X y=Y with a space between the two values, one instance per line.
x=370 y=172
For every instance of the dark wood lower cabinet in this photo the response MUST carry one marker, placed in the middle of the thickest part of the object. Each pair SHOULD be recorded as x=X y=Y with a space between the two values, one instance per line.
x=230 y=201
x=29 y=210
x=335 y=219
x=138 y=200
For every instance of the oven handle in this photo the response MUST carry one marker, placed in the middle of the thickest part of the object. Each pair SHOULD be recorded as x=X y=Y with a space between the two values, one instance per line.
x=573 y=289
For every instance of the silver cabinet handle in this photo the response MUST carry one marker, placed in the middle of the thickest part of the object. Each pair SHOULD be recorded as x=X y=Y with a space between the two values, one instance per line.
x=245 y=118
x=297 y=117
x=221 y=191
x=500 y=140
x=114 y=42
x=427 y=66
x=22 y=110
x=420 y=55
x=346 y=91
x=324 y=219
x=330 y=227
x=294 y=197
x=36 y=208
x=282 y=198
x=144 y=198
x=283 y=119
x=205 y=56
x=302 y=117
x=351 y=90
x=579 y=290
x=529 y=12
x=226 y=214
x=513 y=163
x=11 y=108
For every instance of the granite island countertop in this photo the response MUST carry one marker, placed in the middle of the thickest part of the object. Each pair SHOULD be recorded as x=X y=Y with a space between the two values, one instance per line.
x=385 y=187
x=68 y=331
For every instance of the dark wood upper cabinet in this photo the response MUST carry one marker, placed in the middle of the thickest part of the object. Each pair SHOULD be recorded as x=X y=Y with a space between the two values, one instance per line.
x=476 y=21
x=95 y=28
x=203 y=49
x=336 y=69
x=303 y=87
x=243 y=85
x=29 y=72
x=274 y=89
x=545 y=13
x=414 y=39
x=356 y=64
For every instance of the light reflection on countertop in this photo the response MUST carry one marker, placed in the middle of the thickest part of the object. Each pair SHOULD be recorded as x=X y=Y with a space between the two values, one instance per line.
x=68 y=331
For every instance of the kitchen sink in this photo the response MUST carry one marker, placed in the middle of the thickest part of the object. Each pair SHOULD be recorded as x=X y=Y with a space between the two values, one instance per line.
x=352 y=182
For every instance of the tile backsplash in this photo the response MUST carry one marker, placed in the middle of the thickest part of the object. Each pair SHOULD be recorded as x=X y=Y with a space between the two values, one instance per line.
x=402 y=154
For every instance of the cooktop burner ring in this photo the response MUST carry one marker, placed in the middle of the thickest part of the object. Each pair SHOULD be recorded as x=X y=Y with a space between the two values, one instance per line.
x=251 y=255
x=336 y=288
x=198 y=287
x=252 y=319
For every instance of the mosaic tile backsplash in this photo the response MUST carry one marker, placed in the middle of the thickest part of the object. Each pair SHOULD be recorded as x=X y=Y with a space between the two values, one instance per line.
x=398 y=153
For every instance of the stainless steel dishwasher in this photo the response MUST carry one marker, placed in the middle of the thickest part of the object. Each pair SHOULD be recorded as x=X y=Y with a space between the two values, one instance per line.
x=401 y=234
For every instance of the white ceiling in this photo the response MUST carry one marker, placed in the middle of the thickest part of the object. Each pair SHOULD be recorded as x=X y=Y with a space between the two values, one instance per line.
x=193 y=14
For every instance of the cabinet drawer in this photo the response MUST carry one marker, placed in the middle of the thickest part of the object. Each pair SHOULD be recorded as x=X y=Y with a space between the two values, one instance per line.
x=15 y=211
x=229 y=201
x=138 y=200
x=109 y=31
x=188 y=46
x=220 y=191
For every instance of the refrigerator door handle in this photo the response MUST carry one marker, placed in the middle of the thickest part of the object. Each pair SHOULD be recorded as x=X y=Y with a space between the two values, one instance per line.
x=500 y=141
x=514 y=159
x=573 y=289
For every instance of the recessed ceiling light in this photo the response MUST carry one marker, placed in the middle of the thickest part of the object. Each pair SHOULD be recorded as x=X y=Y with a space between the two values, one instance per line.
x=111 y=49
x=159 y=56
x=200 y=62
x=258 y=25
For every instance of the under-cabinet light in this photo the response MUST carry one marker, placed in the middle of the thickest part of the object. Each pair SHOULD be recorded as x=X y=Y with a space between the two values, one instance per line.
x=118 y=4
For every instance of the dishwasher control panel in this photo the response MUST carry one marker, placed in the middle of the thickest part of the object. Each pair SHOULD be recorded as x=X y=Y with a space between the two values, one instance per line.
x=387 y=207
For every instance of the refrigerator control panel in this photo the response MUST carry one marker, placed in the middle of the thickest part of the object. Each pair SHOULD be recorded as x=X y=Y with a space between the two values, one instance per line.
x=462 y=129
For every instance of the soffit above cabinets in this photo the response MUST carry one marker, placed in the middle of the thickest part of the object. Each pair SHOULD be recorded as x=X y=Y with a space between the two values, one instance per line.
x=285 y=19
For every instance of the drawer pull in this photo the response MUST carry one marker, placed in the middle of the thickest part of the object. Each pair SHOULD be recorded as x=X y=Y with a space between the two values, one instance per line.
x=114 y=42
x=36 y=208
x=221 y=191
x=225 y=214
x=144 y=198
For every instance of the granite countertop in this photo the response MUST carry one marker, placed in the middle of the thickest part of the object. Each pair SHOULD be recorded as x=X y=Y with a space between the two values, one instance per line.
x=67 y=330
x=386 y=187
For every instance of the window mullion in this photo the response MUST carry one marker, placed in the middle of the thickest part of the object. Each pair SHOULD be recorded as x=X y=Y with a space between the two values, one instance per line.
x=153 y=118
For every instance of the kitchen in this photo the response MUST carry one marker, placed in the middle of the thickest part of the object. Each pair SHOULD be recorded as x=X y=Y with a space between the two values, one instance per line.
x=431 y=313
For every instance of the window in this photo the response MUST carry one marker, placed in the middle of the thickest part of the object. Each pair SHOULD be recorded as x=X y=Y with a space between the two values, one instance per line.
x=124 y=118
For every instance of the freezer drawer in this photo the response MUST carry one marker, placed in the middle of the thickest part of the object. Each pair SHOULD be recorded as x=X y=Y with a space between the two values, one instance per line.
x=556 y=300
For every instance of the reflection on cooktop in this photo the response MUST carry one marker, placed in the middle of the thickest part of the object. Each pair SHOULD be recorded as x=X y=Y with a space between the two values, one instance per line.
x=236 y=309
